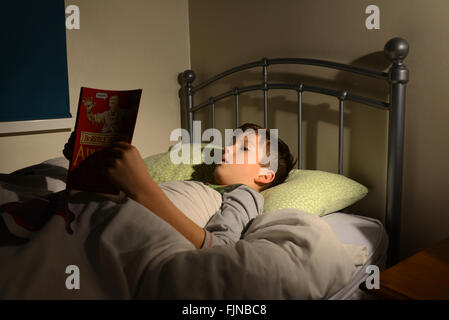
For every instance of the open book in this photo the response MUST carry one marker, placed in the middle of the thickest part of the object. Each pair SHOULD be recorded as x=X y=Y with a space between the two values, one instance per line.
x=103 y=117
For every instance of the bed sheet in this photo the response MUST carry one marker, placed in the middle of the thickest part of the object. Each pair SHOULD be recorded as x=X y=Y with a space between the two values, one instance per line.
x=369 y=232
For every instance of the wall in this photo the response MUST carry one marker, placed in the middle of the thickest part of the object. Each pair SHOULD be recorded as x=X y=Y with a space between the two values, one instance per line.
x=120 y=45
x=227 y=33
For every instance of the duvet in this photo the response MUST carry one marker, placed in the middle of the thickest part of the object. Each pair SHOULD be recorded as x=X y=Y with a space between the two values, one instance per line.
x=78 y=245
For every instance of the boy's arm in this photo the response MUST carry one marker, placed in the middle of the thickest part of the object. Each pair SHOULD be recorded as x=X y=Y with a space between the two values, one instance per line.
x=155 y=199
x=126 y=169
x=239 y=207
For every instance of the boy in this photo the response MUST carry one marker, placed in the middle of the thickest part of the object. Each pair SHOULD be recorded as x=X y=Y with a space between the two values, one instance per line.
x=240 y=187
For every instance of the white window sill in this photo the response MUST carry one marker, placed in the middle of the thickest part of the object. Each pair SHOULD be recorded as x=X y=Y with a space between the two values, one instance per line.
x=14 y=127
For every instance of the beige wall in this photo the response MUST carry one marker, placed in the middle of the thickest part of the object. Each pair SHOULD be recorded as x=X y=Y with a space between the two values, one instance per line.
x=120 y=45
x=226 y=33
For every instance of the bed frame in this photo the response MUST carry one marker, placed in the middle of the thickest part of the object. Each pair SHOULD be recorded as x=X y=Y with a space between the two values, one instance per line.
x=397 y=76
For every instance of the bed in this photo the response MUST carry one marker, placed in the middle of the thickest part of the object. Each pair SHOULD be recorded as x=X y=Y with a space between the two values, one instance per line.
x=123 y=250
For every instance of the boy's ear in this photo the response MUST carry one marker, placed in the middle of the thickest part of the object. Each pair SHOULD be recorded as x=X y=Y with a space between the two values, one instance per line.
x=265 y=176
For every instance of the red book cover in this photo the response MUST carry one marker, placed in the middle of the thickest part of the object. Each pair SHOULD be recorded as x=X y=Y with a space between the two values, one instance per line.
x=104 y=117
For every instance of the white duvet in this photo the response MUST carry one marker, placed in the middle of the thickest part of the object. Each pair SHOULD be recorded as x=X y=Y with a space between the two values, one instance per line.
x=123 y=250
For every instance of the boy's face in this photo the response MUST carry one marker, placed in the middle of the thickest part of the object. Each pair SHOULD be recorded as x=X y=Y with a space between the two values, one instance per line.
x=240 y=163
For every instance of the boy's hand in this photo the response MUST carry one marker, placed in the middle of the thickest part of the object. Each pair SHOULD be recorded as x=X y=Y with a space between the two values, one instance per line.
x=126 y=169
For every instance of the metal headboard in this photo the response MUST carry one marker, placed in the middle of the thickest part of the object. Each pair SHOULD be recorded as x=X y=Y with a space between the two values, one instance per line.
x=397 y=76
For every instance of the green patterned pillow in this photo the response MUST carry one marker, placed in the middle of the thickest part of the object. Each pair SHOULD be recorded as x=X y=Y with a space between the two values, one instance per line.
x=162 y=169
x=314 y=191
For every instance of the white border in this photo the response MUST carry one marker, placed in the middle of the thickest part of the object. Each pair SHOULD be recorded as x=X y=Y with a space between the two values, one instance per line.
x=36 y=125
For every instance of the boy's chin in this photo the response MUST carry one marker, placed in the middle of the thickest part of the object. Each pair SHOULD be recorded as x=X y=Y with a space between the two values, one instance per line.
x=216 y=176
x=219 y=179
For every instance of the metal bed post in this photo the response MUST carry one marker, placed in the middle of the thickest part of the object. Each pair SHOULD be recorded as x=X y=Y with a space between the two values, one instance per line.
x=189 y=77
x=341 y=99
x=236 y=93
x=299 y=90
x=213 y=114
x=395 y=50
x=265 y=92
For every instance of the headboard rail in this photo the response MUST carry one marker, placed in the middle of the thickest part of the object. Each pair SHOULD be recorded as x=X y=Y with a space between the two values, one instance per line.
x=395 y=50
x=294 y=87
x=265 y=62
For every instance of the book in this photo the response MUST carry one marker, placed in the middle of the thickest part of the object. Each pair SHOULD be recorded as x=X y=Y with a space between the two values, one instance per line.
x=103 y=118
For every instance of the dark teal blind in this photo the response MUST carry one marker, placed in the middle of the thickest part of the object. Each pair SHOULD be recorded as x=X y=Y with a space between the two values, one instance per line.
x=33 y=61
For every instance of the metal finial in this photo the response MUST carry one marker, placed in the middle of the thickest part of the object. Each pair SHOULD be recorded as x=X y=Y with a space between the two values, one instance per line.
x=189 y=76
x=343 y=95
x=396 y=50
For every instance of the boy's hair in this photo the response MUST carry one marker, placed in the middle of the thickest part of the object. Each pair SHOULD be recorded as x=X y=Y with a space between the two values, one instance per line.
x=286 y=162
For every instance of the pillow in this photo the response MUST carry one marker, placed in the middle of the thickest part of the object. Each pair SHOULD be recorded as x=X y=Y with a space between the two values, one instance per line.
x=314 y=191
x=162 y=169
